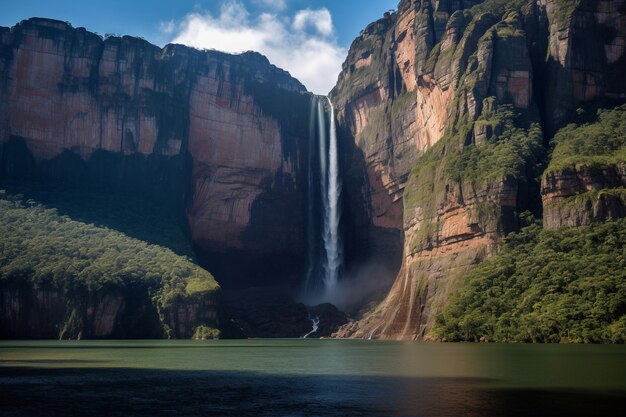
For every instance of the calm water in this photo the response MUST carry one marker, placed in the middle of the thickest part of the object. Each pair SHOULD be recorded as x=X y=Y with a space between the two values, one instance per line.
x=309 y=378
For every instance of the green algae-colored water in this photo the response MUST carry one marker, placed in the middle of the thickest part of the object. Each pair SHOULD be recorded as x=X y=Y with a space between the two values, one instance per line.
x=309 y=378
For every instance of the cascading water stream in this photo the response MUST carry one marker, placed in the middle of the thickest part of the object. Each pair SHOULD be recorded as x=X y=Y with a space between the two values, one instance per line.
x=325 y=247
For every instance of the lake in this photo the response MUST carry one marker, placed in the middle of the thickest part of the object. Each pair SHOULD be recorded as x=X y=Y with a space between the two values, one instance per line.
x=309 y=378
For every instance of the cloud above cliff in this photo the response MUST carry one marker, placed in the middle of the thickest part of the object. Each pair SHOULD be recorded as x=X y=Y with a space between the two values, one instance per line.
x=303 y=43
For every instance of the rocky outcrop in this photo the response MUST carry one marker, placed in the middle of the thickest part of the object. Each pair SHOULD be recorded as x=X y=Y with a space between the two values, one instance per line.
x=451 y=83
x=585 y=181
x=221 y=133
x=392 y=114
x=28 y=313
x=580 y=197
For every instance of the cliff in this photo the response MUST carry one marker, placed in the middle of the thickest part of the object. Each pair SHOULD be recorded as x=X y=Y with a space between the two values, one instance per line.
x=221 y=134
x=451 y=105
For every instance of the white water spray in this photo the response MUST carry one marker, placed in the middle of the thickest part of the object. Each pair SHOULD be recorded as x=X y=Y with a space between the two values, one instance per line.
x=331 y=226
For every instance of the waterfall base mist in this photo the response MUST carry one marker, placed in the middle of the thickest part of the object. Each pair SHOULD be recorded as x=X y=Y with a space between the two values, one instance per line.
x=358 y=289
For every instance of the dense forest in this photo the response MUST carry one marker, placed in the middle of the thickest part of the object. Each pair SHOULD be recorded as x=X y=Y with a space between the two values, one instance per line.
x=44 y=248
x=600 y=144
x=142 y=216
x=566 y=285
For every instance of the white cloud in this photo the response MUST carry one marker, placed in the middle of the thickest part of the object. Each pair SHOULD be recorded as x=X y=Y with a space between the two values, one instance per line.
x=303 y=45
x=319 y=19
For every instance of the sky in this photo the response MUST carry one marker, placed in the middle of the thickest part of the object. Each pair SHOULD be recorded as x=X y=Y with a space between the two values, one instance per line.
x=308 y=38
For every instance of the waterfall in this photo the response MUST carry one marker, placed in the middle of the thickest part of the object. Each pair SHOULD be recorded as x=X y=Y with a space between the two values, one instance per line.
x=325 y=246
x=331 y=226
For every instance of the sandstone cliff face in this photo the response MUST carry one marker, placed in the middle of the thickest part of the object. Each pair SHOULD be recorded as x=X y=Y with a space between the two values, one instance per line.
x=446 y=81
x=67 y=90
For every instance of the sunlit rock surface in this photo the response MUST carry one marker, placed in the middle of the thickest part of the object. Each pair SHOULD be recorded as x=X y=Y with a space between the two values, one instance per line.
x=436 y=70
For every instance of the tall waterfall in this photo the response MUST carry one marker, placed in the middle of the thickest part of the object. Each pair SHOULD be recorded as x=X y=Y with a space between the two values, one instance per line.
x=325 y=251
x=331 y=227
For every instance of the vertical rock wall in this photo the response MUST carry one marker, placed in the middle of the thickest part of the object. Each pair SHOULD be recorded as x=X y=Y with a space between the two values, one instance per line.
x=437 y=89
x=223 y=134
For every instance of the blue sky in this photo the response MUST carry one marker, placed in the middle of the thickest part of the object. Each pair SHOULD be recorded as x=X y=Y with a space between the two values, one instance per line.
x=309 y=38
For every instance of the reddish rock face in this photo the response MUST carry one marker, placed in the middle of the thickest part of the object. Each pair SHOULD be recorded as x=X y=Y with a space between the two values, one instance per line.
x=64 y=89
x=470 y=224
x=560 y=186
x=434 y=68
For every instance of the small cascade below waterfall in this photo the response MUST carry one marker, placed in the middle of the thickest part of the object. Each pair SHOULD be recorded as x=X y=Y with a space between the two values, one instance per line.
x=325 y=245
x=315 y=325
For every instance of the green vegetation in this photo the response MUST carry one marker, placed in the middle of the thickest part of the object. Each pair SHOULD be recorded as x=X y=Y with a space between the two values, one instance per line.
x=206 y=333
x=591 y=145
x=564 y=11
x=510 y=26
x=45 y=249
x=507 y=155
x=566 y=285
x=499 y=7
x=148 y=219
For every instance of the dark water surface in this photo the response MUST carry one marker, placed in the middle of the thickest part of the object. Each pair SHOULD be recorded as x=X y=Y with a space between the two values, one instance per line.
x=309 y=378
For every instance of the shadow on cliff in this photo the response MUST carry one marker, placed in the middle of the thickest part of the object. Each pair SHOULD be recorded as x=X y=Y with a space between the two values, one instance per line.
x=33 y=391
x=372 y=254
x=142 y=197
